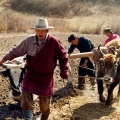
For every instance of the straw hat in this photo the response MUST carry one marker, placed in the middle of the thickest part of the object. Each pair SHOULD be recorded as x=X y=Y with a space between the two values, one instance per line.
x=42 y=24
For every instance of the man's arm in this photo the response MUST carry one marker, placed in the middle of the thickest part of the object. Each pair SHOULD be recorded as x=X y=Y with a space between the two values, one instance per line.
x=19 y=50
x=71 y=49
x=15 y=52
x=63 y=61
x=85 y=63
x=2 y=61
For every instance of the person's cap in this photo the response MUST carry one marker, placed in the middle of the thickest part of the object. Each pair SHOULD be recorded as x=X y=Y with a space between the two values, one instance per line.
x=42 y=24
x=107 y=30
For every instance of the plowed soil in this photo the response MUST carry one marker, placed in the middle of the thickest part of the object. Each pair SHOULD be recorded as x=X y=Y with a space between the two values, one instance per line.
x=68 y=102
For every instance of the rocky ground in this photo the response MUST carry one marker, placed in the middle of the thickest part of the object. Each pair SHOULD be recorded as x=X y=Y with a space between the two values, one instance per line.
x=68 y=102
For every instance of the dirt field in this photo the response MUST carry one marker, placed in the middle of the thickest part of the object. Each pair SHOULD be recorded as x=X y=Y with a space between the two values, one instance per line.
x=68 y=102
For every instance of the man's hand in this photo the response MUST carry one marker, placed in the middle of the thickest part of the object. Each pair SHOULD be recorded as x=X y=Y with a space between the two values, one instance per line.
x=2 y=61
x=85 y=64
x=68 y=55
x=69 y=69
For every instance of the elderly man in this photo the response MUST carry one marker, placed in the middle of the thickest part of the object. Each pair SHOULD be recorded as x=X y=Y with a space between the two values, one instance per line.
x=111 y=36
x=83 y=44
x=42 y=51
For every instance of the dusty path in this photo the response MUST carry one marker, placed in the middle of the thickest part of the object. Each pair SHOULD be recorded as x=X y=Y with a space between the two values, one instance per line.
x=84 y=105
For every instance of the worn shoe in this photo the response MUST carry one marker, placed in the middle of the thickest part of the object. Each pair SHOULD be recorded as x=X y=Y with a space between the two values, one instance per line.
x=44 y=117
x=81 y=87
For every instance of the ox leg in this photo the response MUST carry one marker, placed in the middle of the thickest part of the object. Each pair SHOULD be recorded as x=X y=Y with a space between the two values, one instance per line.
x=118 y=95
x=108 y=86
x=111 y=96
x=44 y=117
x=110 y=92
x=100 y=90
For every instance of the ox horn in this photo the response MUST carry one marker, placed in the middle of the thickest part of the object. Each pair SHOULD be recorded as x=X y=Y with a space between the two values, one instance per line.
x=101 y=51
x=112 y=50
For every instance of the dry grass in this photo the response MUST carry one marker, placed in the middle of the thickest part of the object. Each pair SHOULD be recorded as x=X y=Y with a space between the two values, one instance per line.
x=64 y=8
x=18 y=22
x=14 y=22
x=66 y=16
x=42 y=7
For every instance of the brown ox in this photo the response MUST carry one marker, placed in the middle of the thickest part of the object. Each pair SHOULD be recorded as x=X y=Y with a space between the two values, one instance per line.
x=109 y=71
x=97 y=53
x=115 y=43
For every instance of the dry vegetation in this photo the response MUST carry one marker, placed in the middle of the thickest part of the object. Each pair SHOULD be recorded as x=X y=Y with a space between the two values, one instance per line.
x=65 y=15
x=70 y=16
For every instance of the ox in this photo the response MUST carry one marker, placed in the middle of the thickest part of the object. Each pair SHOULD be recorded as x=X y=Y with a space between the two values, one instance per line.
x=109 y=70
x=97 y=54
x=115 y=43
x=15 y=71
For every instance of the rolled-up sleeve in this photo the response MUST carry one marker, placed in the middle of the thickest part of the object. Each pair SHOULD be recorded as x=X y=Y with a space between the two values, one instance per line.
x=20 y=50
x=63 y=61
x=71 y=48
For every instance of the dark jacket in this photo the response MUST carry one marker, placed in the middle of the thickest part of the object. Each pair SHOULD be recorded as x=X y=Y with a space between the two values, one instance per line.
x=85 y=45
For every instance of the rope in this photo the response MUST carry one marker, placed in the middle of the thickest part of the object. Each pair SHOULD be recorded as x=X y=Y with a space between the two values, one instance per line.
x=85 y=68
x=68 y=101
x=9 y=83
x=102 y=78
x=81 y=67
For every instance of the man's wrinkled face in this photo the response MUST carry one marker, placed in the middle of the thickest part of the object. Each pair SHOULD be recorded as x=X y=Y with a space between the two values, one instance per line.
x=41 y=34
x=74 y=42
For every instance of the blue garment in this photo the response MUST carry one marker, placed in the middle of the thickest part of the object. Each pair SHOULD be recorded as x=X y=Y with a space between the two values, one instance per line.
x=84 y=45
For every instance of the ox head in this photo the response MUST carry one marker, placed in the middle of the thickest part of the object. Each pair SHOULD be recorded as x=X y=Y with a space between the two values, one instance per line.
x=15 y=75
x=107 y=66
x=97 y=53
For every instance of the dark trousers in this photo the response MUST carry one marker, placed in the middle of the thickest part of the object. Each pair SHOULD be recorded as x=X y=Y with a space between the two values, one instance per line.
x=83 y=72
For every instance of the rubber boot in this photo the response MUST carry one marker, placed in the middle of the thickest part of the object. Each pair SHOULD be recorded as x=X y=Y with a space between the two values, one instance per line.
x=28 y=114
x=93 y=82
x=81 y=83
x=44 y=117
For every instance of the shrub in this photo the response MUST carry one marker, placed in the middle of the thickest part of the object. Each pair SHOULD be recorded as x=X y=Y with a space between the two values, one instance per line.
x=12 y=22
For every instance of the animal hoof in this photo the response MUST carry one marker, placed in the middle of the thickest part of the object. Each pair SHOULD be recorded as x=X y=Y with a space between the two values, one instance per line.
x=102 y=99
x=108 y=106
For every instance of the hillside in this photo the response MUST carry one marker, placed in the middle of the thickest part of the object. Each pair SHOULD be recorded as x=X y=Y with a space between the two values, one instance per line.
x=66 y=15
x=63 y=8
x=66 y=8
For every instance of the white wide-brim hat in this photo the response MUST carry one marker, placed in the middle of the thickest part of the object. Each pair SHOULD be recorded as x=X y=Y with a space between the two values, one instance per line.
x=42 y=24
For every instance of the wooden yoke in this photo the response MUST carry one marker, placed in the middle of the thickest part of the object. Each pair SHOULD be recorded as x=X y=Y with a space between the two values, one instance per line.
x=74 y=56
x=81 y=55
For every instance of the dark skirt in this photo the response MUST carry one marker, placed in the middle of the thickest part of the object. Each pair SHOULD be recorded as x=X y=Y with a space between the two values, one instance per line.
x=39 y=84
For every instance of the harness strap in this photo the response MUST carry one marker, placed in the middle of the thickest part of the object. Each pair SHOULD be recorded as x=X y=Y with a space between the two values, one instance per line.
x=10 y=84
